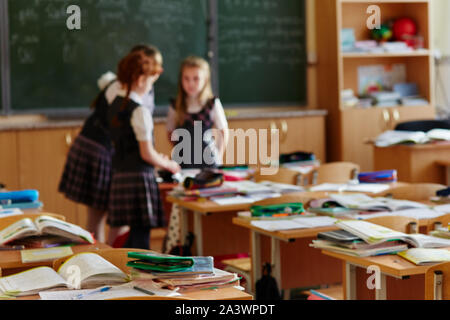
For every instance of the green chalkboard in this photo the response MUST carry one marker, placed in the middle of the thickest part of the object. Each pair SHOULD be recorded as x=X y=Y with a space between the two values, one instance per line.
x=53 y=67
x=262 y=51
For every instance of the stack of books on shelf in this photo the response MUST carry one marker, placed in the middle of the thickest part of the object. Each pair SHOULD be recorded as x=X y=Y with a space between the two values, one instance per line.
x=363 y=239
x=182 y=274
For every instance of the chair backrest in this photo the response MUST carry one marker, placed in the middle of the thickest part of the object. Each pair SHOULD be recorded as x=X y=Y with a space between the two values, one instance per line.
x=117 y=256
x=437 y=282
x=335 y=172
x=435 y=223
x=397 y=223
x=423 y=125
x=283 y=175
x=412 y=191
x=6 y=221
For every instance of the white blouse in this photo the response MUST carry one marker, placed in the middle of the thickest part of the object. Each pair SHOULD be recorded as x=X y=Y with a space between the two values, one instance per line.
x=141 y=118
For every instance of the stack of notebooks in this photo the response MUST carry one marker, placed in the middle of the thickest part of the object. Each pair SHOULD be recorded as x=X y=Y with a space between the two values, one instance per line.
x=183 y=274
x=347 y=205
x=363 y=239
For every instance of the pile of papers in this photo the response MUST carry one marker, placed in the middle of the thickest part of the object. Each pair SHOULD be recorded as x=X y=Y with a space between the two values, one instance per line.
x=200 y=274
x=295 y=223
x=362 y=238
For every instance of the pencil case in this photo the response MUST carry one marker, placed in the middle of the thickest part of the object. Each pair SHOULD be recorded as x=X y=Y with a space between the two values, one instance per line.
x=277 y=209
x=19 y=196
x=205 y=179
x=384 y=176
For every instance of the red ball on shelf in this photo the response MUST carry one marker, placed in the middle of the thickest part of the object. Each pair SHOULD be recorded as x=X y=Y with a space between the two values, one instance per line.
x=404 y=27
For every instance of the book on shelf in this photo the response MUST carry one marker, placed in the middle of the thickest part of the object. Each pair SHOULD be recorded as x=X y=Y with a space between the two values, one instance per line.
x=45 y=254
x=425 y=256
x=441 y=232
x=374 y=234
x=92 y=269
x=359 y=201
x=44 y=225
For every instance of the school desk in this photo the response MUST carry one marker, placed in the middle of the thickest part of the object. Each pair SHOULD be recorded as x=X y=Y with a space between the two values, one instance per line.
x=404 y=279
x=294 y=263
x=11 y=261
x=414 y=163
x=213 y=222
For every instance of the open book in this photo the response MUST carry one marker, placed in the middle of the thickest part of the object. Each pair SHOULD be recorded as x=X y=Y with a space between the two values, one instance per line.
x=44 y=225
x=359 y=201
x=374 y=234
x=392 y=137
x=420 y=256
x=84 y=270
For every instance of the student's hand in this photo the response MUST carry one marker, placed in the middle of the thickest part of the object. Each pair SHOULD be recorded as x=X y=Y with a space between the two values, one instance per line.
x=173 y=167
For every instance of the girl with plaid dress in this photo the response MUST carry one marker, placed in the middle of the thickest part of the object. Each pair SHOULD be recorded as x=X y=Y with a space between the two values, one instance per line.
x=86 y=177
x=134 y=196
x=196 y=118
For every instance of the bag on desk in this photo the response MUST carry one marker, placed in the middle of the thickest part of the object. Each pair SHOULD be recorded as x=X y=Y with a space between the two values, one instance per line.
x=266 y=287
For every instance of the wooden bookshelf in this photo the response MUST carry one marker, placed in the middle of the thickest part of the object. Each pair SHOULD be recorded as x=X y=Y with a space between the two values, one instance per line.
x=349 y=128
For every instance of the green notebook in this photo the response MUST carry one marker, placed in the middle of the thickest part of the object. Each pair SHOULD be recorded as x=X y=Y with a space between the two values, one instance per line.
x=162 y=263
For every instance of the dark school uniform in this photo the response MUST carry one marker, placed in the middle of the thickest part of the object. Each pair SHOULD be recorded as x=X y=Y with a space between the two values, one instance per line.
x=87 y=172
x=134 y=196
x=205 y=121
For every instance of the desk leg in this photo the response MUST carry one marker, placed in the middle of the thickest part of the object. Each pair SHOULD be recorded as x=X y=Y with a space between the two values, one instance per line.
x=276 y=260
x=256 y=258
x=381 y=293
x=184 y=224
x=198 y=231
x=350 y=281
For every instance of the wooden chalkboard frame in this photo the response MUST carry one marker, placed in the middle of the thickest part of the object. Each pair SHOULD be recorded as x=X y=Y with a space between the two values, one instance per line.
x=161 y=110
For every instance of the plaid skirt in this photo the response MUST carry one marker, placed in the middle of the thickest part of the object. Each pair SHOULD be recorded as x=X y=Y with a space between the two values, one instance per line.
x=135 y=200
x=86 y=177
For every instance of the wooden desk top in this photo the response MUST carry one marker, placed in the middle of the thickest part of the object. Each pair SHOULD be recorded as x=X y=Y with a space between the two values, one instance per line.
x=217 y=294
x=393 y=265
x=283 y=235
x=13 y=260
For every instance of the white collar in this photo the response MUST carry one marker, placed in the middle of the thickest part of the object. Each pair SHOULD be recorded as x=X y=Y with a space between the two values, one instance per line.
x=133 y=96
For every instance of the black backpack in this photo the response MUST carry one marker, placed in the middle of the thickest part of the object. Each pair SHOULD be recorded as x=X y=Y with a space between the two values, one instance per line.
x=186 y=249
x=266 y=287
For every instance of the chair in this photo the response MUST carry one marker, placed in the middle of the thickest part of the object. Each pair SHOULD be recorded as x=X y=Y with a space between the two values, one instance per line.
x=437 y=282
x=284 y=175
x=413 y=191
x=423 y=125
x=6 y=221
x=397 y=223
x=335 y=172
x=438 y=222
x=241 y=266
x=117 y=256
